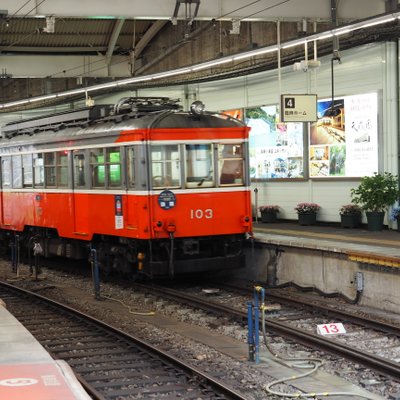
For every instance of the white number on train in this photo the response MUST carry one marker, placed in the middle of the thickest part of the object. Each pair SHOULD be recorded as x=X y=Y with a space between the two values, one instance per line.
x=199 y=213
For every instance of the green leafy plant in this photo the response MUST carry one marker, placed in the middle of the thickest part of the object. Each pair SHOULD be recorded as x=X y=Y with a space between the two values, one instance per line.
x=376 y=192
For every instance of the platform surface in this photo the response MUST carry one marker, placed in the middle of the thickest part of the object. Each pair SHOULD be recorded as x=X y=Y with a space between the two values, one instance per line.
x=384 y=244
x=27 y=371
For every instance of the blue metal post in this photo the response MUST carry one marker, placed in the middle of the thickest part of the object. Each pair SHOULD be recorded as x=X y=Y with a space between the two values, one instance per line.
x=250 y=334
x=256 y=326
x=95 y=274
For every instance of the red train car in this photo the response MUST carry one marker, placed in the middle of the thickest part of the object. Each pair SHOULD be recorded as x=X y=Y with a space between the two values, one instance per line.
x=153 y=189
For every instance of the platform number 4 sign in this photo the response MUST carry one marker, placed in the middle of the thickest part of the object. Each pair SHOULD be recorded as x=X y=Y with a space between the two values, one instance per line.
x=290 y=102
x=331 y=329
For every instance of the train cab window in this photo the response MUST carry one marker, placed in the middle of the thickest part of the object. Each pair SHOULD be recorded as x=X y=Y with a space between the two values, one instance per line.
x=79 y=170
x=113 y=166
x=16 y=171
x=6 y=172
x=131 y=167
x=50 y=169
x=27 y=170
x=230 y=159
x=165 y=166
x=38 y=169
x=199 y=166
x=62 y=168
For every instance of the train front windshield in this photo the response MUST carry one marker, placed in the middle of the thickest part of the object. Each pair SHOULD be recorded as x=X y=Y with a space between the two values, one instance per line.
x=205 y=165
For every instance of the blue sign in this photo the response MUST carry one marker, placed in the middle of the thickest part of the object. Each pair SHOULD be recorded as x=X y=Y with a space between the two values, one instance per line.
x=166 y=199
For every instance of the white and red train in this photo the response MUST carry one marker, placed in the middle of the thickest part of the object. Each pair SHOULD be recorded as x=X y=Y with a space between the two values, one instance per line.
x=151 y=188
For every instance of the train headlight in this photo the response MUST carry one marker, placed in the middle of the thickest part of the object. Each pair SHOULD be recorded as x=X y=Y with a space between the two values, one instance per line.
x=197 y=108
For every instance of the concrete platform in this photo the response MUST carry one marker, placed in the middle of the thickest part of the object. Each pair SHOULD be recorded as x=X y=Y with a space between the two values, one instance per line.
x=27 y=371
x=329 y=258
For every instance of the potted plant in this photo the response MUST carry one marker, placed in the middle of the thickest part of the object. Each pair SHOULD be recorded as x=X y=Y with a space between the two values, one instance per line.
x=374 y=194
x=350 y=216
x=268 y=213
x=307 y=213
x=395 y=216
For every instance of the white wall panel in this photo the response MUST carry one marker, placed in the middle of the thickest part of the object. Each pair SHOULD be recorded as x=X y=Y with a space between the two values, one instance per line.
x=369 y=68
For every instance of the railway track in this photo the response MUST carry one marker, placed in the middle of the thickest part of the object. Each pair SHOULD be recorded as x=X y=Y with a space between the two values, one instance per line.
x=109 y=363
x=297 y=325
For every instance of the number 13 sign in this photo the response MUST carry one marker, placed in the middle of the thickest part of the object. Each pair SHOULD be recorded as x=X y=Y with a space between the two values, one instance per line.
x=331 y=329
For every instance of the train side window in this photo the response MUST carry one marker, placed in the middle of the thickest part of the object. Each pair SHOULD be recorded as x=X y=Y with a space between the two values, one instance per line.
x=113 y=166
x=38 y=169
x=79 y=170
x=50 y=169
x=6 y=172
x=230 y=160
x=16 y=171
x=97 y=168
x=165 y=166
x=131 y=167
x=199 y=166
x=27 y=170
x=62 y=168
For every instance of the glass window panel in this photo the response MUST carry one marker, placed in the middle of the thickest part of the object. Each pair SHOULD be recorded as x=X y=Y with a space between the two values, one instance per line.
x=79 y=170
x=166 y=171
x=50 y=169
x=27 y=170
x=230 y=159
x=97 y=167
x=17 y=171
x=38 y=169
x=62 y=168
x=131 y=167
x=199 y=166
x=6 y=171
x=114 y=166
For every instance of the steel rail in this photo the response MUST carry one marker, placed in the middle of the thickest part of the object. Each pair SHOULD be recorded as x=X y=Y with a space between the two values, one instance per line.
x=377 y=363
x=204 y=380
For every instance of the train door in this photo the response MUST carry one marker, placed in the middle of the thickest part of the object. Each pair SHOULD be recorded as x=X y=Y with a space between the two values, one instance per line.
x=80 y=192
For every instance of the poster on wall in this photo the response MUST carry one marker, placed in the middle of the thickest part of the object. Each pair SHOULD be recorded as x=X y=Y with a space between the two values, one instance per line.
x=344 y=140
x=276 y=148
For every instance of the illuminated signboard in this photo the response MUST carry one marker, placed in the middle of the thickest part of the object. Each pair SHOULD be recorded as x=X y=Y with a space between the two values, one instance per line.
x=344 y=140
x=276 y=148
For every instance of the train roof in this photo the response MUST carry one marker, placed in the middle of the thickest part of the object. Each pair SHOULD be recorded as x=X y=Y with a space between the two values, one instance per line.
x=128 y=113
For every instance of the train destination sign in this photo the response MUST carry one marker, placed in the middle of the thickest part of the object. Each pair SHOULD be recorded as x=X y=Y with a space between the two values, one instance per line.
x=298 y=107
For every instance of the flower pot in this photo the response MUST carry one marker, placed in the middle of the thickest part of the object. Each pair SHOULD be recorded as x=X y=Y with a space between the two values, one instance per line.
x=350 y=220
x=268 y=216
x=307 y=219
x=375 y=220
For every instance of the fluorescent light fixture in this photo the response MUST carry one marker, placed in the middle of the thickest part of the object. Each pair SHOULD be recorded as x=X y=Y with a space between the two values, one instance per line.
x=101 y=86
x=71 y=92
x=171 y=73
x=50 y=96
x=383 y=21
x=293 y=43
x=255 y=53
x=212 y=63
x=326 y=35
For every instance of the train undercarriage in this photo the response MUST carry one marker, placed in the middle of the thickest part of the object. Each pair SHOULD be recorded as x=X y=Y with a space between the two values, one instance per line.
x=126 y=256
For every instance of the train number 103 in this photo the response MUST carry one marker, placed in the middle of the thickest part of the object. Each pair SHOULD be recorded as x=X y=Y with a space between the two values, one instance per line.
x=200 y=214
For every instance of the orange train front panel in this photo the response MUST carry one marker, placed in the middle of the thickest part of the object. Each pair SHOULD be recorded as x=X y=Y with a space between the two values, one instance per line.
x=201 y=214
